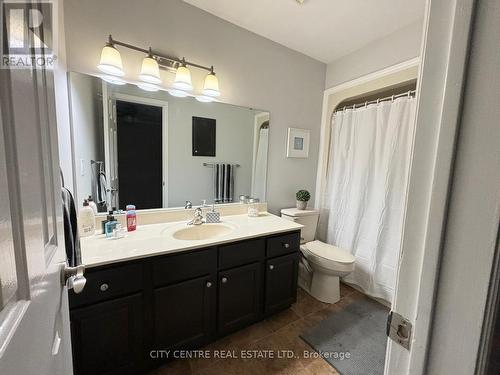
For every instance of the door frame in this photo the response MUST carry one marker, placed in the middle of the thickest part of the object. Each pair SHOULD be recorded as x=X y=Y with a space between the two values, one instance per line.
x=445 y=48
x=164 y=118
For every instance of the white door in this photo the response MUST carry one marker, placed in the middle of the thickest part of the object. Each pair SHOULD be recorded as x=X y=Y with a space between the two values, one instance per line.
x=34 y=314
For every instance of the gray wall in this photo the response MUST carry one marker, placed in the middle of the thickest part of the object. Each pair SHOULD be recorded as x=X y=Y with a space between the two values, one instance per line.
x=253 y=71
x=395 y=48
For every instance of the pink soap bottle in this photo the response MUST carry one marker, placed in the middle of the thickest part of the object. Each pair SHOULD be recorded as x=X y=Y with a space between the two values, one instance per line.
x=131 y=218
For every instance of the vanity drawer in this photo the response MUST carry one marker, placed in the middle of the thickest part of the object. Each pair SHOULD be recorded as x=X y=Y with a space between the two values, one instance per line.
x=180 y=267
x=283 y=244
x=108 y=283
x=241 y=253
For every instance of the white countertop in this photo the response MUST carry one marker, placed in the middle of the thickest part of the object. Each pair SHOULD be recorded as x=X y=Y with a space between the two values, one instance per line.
x=156 y=239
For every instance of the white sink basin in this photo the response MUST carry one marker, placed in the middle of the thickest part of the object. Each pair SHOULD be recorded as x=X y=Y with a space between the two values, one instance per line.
x=202 y=232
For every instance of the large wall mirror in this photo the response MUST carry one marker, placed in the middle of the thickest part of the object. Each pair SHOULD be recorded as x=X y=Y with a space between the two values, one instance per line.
x=154 y=150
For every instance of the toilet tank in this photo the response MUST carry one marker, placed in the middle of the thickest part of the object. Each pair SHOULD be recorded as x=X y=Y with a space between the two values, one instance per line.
x=308 y=218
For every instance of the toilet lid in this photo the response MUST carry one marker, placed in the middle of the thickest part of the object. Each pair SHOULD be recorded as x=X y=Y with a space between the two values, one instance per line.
x=330 y=252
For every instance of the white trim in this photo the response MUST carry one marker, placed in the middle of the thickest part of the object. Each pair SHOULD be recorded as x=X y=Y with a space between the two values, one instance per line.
x=374 y=75
x=164 y=119
x=325 y=120
x=105 y=126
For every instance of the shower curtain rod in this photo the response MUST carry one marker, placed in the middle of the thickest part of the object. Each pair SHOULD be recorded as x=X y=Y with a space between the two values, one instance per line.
x=387 y=98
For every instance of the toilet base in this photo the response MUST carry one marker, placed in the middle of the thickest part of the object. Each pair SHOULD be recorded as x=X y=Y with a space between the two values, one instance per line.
x=325 y=288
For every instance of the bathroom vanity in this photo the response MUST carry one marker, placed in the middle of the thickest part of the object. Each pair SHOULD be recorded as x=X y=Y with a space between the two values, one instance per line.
x=151 y=291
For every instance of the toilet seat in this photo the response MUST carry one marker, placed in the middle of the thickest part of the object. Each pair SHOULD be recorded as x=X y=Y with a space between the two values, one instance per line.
x=329 y=256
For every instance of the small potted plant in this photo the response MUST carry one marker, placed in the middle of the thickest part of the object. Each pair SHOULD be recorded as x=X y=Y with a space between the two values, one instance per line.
x=303 y=197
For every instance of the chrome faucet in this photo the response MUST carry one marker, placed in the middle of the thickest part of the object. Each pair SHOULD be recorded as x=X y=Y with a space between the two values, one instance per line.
x=188 y=205
x=198 y=217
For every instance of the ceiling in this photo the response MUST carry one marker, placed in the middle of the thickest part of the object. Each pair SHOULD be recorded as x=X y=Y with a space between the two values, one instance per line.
x=322 y=29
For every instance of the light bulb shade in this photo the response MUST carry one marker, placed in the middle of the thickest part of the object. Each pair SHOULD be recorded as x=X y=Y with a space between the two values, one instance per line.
x=204 y=98
x=211 y=86
x=113 y=80
x=148 y=86
x=150 y=71
x=183 y=78
x=178 y=93
x=111 y=61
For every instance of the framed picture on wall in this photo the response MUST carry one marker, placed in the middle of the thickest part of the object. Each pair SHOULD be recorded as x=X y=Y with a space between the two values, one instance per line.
x=298 y=143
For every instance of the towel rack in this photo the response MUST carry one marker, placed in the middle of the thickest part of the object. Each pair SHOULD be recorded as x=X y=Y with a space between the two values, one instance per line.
x=210 y=165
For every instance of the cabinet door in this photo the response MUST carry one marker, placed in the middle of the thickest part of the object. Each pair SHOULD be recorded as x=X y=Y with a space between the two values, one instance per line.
x=240 y=297
x=184 y=313
x=281 y=282
x=107 y=337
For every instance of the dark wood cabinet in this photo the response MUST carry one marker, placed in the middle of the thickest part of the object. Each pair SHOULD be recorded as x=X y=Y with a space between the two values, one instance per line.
x=239 y=297
x=281 y=282
x=184 y=313
x=107 y=337
x=178 y=301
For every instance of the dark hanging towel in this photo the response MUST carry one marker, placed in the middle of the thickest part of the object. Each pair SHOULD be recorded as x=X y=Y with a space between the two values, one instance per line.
x=223 y=182
x=71 y=239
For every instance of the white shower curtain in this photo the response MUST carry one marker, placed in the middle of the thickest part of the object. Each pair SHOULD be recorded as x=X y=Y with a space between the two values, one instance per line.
x=260 y=167
x=366 y=187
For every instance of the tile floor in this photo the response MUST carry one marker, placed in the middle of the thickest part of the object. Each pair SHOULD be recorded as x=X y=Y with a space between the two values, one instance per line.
x=279 y=332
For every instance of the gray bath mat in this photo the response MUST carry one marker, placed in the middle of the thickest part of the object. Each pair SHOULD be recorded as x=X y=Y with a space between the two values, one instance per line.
x=353 y=340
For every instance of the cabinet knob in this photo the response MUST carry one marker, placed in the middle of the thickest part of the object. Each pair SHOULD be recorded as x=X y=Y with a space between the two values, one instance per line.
x=104 y=287
x=224 y=280
x=286 y=245
x=271 y=267
x=209 y=284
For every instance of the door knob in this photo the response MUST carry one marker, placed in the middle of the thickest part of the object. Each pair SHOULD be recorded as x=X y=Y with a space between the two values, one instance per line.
x=72 y=277
x=224 y=280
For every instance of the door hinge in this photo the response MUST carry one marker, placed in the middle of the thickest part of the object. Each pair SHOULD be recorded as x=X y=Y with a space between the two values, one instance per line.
x=399 y=329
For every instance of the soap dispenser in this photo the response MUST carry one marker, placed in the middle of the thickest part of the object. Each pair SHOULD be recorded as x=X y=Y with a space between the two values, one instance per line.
x=86 y=220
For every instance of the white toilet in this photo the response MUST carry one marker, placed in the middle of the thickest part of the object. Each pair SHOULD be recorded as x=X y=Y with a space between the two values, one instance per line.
x=324 y=264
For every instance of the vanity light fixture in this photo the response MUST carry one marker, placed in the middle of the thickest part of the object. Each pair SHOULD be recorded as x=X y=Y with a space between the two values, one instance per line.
x=211 y=86
x=150 y=70
x=111 y=64
x=111 y=60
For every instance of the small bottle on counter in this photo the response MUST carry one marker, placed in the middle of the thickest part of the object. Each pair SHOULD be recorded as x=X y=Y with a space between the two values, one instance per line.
x=131 y=218
x=110 y=225
x=103 y=223
x=86 y=220
x=118 y=232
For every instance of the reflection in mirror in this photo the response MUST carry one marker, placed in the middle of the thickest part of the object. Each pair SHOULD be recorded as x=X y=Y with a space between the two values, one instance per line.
x=154 y=150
